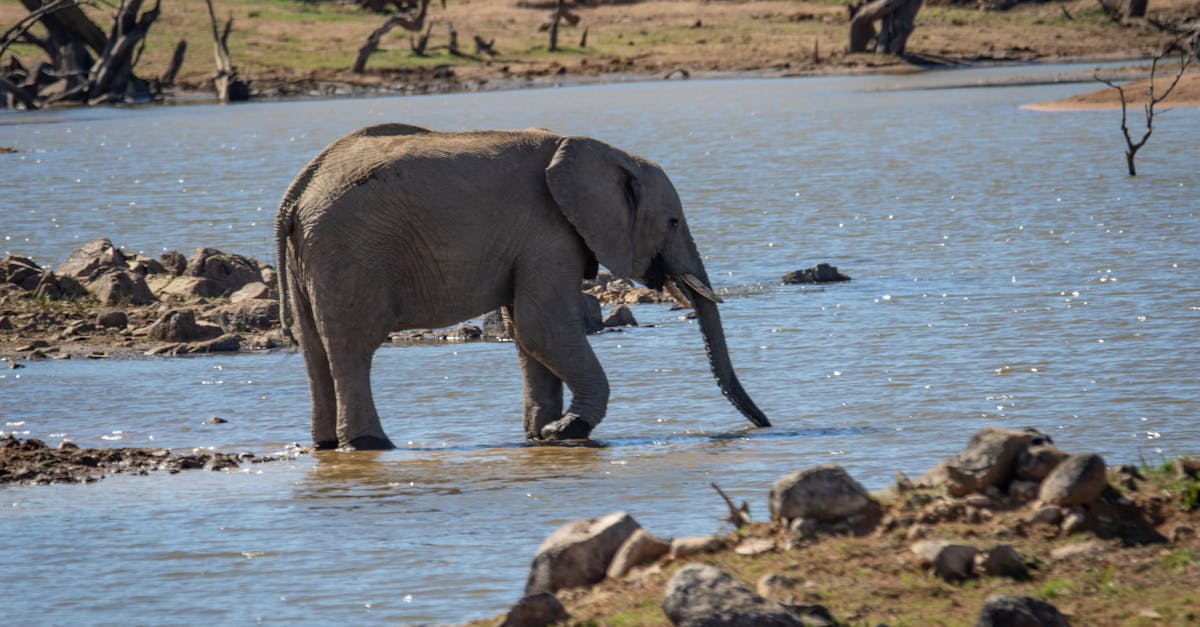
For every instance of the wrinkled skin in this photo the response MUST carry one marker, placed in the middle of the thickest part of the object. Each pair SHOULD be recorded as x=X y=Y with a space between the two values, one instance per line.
x=397 y=227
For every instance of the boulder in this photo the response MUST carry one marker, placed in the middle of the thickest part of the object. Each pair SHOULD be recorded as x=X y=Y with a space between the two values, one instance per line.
x=93 y=258
x=1002 y=560
x=536 y=610
x=173 y=262
x=240 y=316
x=589 y=312
x=229 y=272
x=1034 y=463
x=824 y=493
x=700 y=595
x=1001 y=610
x=950 y=561
x=820 y=273
x=116 y=286
x=642 y=547
x=1078 y=480
x=579 y=553
x=20 y=271
x=179 y=325
x=989 y=460
x=683 y=547
x=143 y=265
x=251 y=291
x=620 y=316
x=185 y=286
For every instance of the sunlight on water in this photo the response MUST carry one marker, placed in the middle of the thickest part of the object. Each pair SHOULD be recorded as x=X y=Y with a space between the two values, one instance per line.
x=1006 y=272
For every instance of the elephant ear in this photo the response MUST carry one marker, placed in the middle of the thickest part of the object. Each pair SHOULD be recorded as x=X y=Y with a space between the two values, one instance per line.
x=596 y=186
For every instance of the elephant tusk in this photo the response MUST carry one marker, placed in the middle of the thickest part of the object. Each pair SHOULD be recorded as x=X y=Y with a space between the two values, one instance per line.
x=678 y=294
x=700 y=288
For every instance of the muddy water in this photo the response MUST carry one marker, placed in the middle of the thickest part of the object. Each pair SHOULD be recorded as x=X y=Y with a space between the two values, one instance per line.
x=1007 y=272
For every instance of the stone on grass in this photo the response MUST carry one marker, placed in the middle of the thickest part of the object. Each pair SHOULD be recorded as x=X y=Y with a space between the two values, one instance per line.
x=824 y=493
x=990 y=459
x=683 y=547
x=642 y=547
x=1002 y=610
x=952 y=562
x=1035 y=462
x=579 y=553
x=536 y=610
x=700 y=595
x=1002 y=560
x=1078 y=480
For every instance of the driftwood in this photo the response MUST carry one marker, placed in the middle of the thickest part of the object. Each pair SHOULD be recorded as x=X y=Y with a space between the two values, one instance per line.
x=85 y=64
x=228 y=86
x=896 y=19
x=409 y=21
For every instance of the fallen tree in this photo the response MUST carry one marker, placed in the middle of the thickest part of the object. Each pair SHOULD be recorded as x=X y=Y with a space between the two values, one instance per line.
x=84 y=65
x=897 y=22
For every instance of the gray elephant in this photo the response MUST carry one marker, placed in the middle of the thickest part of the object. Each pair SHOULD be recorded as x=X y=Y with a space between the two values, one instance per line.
x=398 y=227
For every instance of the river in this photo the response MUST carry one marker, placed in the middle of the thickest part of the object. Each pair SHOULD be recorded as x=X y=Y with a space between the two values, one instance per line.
x=1006 y=270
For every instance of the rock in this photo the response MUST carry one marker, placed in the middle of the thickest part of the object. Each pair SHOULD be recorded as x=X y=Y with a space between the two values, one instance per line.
x=1046 y=515
x=462 y=333
x=684 y=547
x=120 y=287
x=256 y=290
x=1023 y=491
x=820 y=273
x=1073 y=522
x=173 y=262
x=536 y=610
x=92 y=259
x=1002 y=560
x=777 y=587
x=1078 y=480
x=215 y=420
x=20 y=271
x=179 y=325
x=1013 y=611
x=811 y=614
x=700 y=595
x=579 y=553
x=641 y=548
x=220 y=462
x=6 y=323
x=1181 y=532
x=494 y=327
x=620 y=316
x=228 y=343
x=112 y=319
x=184 y=286
x=1035 y=462
x=589 y=312
x=989 y=460
x=825 y=493
x=754 y=546
x=1086 y=550
x=229 y=272
x=237 y=317
x=952 y=562
x=143 y=265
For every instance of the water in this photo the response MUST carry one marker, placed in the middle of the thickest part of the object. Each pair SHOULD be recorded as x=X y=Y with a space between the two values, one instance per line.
x=1006 y=272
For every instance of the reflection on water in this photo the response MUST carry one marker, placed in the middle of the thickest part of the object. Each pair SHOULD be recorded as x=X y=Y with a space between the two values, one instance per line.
x=1006 y=272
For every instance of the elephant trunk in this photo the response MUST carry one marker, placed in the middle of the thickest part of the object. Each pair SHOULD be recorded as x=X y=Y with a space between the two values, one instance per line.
x=718 y=353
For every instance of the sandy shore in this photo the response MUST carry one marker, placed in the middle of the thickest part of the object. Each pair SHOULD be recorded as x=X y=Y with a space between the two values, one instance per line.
x=1185 y=94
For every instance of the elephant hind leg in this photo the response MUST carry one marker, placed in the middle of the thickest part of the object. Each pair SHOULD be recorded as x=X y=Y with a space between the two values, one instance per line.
x=320 y=377
x=358 y=425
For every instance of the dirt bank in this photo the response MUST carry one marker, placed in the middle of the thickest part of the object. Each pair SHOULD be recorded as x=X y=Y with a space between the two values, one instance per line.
x=1185 y=94
x=289 y=49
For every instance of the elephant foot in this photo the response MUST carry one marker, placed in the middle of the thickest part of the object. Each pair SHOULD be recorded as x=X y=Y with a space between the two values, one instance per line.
x=325 y=445
x=369 y=443
x=568 y=427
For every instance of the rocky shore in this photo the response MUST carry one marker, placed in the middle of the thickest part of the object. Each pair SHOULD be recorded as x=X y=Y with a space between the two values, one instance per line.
x=1010 y=531
x=31 y=462
x=104 y=301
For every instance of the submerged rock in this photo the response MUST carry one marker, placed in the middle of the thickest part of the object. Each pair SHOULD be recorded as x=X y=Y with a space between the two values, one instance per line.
x=820 y=273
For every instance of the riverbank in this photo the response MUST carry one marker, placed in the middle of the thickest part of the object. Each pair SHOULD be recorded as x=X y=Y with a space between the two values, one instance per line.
x=306 y=49
x=1055 y=534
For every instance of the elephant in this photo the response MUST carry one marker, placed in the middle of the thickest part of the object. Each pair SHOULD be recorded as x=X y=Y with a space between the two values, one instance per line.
x=399 y=227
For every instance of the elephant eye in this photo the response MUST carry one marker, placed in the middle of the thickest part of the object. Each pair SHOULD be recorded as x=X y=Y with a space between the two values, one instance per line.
x=674 y=222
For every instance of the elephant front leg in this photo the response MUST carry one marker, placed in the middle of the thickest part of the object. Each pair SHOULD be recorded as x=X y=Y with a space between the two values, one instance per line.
x=554 y=350
x=543 y=395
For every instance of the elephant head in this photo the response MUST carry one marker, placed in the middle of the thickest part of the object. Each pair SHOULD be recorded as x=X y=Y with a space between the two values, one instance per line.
x=629 y=215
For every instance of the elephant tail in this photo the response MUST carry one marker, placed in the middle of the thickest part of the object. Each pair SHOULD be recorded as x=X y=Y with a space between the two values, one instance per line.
x=284 y=224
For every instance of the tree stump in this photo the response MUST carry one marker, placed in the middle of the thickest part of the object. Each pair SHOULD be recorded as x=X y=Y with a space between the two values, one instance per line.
x=897 y=22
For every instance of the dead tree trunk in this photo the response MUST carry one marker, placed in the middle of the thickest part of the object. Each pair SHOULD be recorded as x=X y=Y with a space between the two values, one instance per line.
x=409 y=22
x=558 y=13
x=1135 y=8
x=226 y=83
x=897 y=21
x=112 y=77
